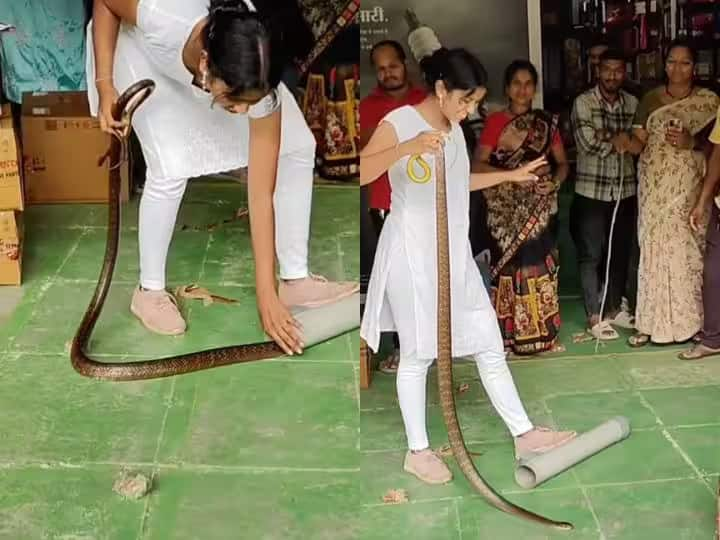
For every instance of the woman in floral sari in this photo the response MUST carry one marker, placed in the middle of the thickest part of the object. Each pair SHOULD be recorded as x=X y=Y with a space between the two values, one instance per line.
x=522 y=219
x=671 y=127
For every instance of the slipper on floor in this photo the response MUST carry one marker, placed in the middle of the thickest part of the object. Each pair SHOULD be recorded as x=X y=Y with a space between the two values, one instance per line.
x=604 y=332
x=697 y=352
x=624 y=320
x=390 y=364
x=638 y=340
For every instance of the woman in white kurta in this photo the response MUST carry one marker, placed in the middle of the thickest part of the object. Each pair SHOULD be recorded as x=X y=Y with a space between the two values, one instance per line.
x=402 y=293
x=209 y=62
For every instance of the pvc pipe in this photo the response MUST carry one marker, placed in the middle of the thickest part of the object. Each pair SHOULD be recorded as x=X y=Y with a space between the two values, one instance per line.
x=535 y=470
x=329 y=321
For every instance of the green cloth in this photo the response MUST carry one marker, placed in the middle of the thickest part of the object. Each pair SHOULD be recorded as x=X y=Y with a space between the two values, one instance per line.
x=46 y=51
x=649 y=103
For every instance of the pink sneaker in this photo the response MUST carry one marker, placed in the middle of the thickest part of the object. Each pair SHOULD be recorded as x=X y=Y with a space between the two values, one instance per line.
x=314 y=291
x=540 y=440
x=158 y=312
x=427 y=466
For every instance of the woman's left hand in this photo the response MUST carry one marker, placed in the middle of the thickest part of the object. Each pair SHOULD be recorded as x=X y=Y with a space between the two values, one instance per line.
x=681 y=139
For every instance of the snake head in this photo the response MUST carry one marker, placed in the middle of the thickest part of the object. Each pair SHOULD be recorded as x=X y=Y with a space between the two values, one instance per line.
x=129 y=101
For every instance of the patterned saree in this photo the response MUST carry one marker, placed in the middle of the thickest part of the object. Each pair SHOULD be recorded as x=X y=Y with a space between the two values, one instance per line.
x=522 y=228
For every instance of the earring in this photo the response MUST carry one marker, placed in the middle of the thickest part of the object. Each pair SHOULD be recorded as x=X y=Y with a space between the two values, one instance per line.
x=203 y=81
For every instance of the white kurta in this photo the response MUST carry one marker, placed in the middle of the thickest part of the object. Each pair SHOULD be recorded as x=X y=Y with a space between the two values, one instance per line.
x=408 y=237
x=181 y=136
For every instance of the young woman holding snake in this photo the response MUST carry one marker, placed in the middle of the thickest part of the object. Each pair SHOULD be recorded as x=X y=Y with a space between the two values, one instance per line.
x=219 y=104
x=403 y=285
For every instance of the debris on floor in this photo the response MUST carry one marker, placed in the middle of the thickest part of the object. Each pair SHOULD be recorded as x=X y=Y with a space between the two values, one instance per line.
x=240 y=213
x=196 y=292
x=582 y=337
x=395 y=496
x=131 y=485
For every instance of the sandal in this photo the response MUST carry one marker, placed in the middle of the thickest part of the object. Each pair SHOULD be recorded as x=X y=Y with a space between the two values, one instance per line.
x=697 y=352
x=624 y=320
x=390 y=364
x=604 y=332
x=638 y=340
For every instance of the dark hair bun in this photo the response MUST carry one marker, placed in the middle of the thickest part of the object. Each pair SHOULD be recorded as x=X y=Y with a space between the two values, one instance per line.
x=458 y=69
x=433 y=66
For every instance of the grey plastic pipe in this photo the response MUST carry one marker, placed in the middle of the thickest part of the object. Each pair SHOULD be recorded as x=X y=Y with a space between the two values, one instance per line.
x=329 y=321
x=535 y=470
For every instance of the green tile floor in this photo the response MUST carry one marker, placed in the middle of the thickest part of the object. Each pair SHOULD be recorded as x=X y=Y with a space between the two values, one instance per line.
x=659 y=484
x=288 y=449
x=261 y=451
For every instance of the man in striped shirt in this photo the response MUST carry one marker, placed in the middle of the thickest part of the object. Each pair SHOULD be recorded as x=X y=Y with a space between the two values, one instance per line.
x=602 y=120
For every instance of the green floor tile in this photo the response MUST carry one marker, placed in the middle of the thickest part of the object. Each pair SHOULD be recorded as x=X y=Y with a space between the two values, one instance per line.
x=183 y=265
x=267 y=506
x=700 y=444
x=479 y=520
x=207 y=217
x=230 y=257
x=53 y=216
x=52 y=413
x=664 y=370
x=686 y=406
x=273 y=414
x=39 y=504
x=683 y=510
x=645 y=455
x=586 y=411
x=211 y=191
x=409 y=521
x=544 y=378
x=45 y=251
x=13 y=324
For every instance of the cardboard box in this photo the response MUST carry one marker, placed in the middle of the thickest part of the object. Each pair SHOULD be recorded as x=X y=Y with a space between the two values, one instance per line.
x=61 y=146
x=11 y=186
x=11 y=242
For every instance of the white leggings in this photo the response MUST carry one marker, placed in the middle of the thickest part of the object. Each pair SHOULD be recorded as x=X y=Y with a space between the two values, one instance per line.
x=412 y=372
x=496 y=378
x=292 y=204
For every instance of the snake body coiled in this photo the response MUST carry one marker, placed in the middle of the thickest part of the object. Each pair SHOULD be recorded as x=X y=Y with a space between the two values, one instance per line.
x=124 y=108
x=444 y=365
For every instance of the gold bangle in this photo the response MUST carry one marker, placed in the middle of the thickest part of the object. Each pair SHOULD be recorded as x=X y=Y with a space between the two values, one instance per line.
x=427 y=173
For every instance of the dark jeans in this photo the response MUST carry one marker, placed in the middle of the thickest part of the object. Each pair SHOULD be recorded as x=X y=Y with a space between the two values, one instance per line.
x=711 y=283
x=590 y=221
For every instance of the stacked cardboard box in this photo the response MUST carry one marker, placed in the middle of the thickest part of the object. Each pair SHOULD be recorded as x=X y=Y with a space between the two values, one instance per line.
x=11 y=202
x=61 y=147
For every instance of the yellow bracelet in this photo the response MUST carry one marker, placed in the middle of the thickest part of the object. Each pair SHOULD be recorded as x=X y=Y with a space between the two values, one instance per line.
x=427 y=173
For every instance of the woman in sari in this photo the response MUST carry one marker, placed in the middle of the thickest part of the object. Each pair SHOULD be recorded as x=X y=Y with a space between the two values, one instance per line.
x=671 y=127
x=522 y=218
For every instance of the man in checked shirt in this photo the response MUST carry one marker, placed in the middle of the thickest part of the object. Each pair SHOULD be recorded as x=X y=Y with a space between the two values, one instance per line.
x=602 y=120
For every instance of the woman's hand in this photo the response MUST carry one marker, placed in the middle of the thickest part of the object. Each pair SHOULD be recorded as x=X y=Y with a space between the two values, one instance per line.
x=429 y=142
x=279 y=324
x=108 y=95
x=529 y=171
x=679 y=138
x=697 y=214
